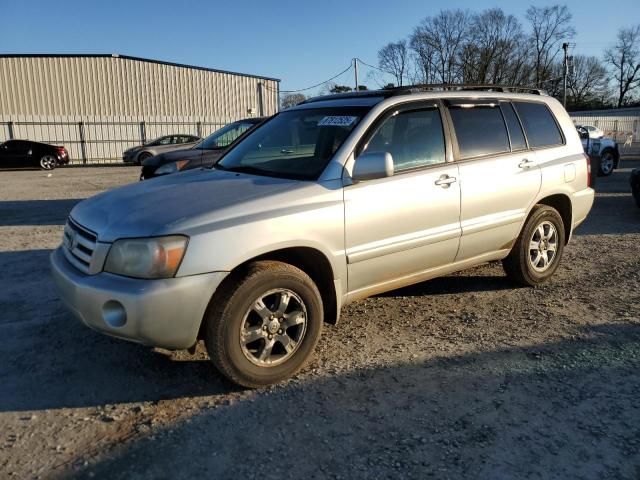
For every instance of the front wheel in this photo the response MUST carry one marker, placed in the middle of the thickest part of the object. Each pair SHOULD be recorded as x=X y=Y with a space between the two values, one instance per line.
x=143 y=156
x=607 y=163
x=48 y=162
x=537 y=252
x=263 y=323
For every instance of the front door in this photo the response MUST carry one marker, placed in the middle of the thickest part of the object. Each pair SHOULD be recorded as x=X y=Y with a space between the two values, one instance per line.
x=399 y=227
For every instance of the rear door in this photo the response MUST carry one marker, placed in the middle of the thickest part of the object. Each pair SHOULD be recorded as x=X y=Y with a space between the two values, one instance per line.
x=398 y=228
x=499 y=175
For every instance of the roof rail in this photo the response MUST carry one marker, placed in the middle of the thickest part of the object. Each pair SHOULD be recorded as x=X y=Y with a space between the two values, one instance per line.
x=465 y=86
x=428 y=87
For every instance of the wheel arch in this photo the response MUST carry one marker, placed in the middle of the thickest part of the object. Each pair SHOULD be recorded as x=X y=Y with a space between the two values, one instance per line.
x=311 y=261
x=562 y=203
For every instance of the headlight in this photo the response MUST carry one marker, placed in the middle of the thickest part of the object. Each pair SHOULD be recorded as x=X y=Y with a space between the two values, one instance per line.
x=147 y=257
x=171 y=167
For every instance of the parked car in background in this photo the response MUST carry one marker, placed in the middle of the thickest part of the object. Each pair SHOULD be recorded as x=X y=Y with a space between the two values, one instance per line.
x=594 y=132
x=634 y=180
x=163 y=144
x=328 y=202
x=28 y=154
x=203 y=154
x=604 y=147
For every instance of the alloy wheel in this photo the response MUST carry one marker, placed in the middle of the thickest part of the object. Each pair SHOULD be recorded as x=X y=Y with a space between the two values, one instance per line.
x=273 y=327
x=543 y=246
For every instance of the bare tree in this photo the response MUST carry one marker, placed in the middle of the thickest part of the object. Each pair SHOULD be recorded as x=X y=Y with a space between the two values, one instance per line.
x=491 y=53
x=291 y=100
x=392 y=58
x=423 y=57
x=437 y=42
x=624 y=59
x=588 y=83
x=549 y=27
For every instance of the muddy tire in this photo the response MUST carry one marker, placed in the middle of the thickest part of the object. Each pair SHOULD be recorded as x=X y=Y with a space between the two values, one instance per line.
x=538 y=250
x=263 y=323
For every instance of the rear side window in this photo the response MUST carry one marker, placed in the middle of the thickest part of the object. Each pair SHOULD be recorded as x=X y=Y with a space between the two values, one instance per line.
x=542 y=129
x=513 y=126
x=480 y=130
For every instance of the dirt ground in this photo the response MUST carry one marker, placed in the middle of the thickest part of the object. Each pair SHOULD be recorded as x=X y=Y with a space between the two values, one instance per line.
x=460 y=377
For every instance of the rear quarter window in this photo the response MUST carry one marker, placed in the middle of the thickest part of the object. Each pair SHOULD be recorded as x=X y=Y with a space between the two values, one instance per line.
x=539 y=124
x=480 y=130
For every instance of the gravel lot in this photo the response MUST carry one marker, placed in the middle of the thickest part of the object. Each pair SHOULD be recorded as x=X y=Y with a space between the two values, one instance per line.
x=460 y=377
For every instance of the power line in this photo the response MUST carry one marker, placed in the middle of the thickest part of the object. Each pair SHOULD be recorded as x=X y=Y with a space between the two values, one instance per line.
x=377 y=68
x=316 y=85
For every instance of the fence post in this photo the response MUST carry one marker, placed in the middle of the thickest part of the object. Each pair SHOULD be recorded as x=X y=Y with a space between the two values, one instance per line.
x=143 y=132
x=10 y=128
x=83 y=148
x=199 y=129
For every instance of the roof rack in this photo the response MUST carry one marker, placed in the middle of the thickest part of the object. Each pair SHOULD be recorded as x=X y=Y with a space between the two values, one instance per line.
x=466 y=86
x=429 y=87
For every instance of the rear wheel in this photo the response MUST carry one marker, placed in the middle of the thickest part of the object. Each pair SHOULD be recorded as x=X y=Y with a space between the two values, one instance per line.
x=263 y=323
x=537 y=252
x=607 y=163
x=48 y=162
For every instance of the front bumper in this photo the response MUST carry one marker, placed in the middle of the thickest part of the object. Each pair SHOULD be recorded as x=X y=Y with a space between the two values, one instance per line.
x=130 y=157
x=163 y=313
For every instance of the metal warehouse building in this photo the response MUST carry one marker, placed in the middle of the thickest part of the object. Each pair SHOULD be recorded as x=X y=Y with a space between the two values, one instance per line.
x=99 y=105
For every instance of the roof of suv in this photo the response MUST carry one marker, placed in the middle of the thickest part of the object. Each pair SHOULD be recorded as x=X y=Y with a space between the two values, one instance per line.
x=372 y=97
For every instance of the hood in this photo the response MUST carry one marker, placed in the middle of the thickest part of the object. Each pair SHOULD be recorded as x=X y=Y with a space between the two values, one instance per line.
x=172 y=156
x=174 y=203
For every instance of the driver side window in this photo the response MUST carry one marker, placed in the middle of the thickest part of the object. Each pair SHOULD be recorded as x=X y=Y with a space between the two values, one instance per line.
x=414 y=138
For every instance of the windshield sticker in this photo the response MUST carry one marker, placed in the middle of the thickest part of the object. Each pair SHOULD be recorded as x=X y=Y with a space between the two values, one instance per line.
x=337 y=121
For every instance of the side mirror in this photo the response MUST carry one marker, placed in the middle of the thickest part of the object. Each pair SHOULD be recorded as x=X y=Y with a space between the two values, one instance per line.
x=584 y=134
x=372 y=165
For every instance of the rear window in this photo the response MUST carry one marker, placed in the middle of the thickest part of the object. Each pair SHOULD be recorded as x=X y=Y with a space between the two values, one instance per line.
x=480 y=130
x=539 y=124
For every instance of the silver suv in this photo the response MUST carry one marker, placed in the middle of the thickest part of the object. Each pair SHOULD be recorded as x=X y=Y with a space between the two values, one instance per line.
x=326 y=203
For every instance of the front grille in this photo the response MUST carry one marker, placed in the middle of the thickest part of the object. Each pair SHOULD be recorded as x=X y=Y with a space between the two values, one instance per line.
x=80 y=245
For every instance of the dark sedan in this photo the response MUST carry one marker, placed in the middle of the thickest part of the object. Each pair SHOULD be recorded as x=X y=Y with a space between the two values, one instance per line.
x=203 y=154
x=28 y=154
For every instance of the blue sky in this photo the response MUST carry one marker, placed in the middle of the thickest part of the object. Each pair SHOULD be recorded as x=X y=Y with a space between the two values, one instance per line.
x=302 y=43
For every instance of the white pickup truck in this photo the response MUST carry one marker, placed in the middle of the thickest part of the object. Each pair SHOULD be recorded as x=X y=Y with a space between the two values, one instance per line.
x=606 y=148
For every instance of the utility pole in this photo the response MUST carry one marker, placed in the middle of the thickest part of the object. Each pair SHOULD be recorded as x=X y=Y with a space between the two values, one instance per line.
x=355 y=64
x=565 y=47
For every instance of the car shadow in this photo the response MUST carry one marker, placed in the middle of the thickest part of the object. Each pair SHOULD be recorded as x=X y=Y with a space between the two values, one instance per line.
x=561 y=409
x=454 y=284
x=36 y=212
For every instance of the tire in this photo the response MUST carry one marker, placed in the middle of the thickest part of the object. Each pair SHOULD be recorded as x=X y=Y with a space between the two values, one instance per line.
x=526 y=265
x=607 y=163
x=48 y=162
x=244 y=358
x=142 y=157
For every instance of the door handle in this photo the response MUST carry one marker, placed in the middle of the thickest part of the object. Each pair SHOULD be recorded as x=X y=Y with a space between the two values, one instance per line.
x=526 y=163
x=445 y=180
x=286 y=150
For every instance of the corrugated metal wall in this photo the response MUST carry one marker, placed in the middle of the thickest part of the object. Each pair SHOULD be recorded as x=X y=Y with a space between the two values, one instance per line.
x=96 y=105
x=97 y=86
x=620 y=124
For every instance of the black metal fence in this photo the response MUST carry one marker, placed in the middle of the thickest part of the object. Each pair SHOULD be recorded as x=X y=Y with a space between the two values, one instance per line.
x=101 y=142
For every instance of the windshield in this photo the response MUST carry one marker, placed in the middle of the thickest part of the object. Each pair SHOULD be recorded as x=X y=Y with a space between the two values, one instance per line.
x=225 y=136
x=294 y=144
